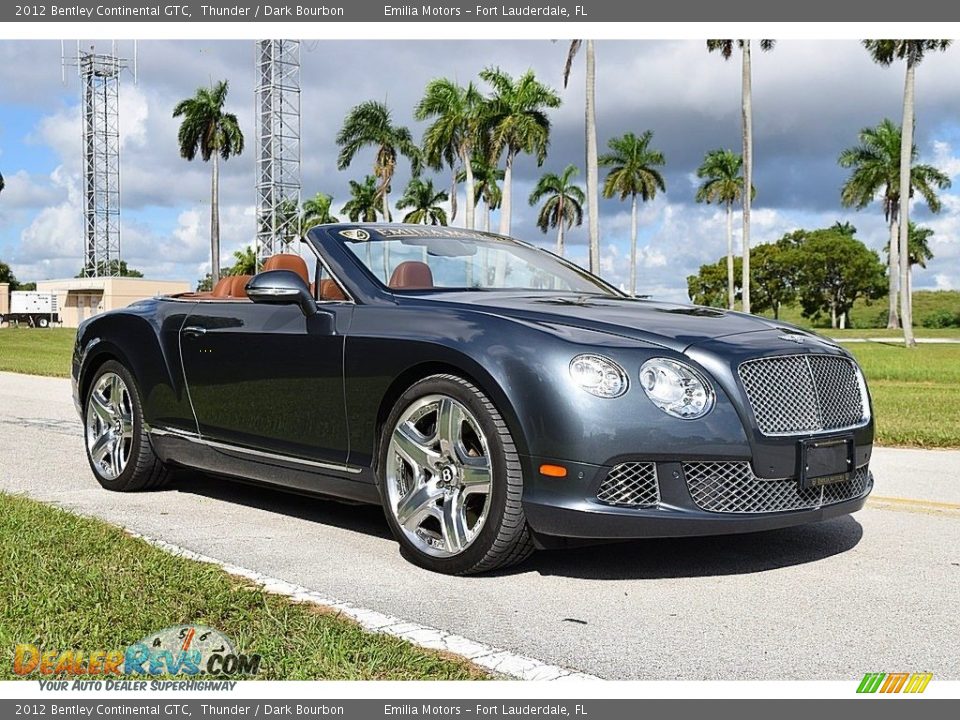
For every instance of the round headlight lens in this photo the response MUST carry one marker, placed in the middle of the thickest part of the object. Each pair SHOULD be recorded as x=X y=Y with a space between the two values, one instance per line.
x=676 y=388
x=599 y=376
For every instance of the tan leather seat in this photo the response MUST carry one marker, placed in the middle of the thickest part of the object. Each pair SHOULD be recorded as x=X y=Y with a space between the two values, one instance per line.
x=238 y=289
x=222 y=288
x=329 y=290
x=411 y=275
x=286 y=261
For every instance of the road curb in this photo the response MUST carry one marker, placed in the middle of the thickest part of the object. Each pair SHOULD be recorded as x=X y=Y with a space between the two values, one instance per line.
x=501 y=662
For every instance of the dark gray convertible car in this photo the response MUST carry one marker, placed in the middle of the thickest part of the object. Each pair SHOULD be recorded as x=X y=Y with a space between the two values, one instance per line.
x=493 y=397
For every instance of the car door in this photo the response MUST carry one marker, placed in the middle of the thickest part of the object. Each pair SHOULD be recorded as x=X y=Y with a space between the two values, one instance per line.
x=264 y=377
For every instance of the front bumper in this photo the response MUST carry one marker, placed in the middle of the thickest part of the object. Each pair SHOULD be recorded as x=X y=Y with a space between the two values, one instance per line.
x=569 y=507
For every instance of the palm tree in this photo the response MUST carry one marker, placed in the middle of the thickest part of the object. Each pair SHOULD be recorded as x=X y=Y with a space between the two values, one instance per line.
x=452 y=136
x=485 y=187
x=207 y=129
x=633 y=173
x=590 y=129
x=518 y=124
x=875 y=166
x=725 y=48
x=245 y=261
x=918 y=252
x=2 y=185
x=564 y=202
x=721 y=172
x=316 y=211
x=370 y=124
x=885 y=52
x=844 y=228
x=364 y=203
x=423 y=200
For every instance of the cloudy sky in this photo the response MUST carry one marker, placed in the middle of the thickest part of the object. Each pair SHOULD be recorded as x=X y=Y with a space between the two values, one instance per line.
x=810 y=100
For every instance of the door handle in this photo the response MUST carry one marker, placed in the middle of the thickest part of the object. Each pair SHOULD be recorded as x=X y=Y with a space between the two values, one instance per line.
x=194 y=331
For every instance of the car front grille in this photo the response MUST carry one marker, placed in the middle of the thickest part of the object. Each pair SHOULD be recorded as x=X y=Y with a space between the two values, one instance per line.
x=631 y=484
x=731 y=487
x=804 y=393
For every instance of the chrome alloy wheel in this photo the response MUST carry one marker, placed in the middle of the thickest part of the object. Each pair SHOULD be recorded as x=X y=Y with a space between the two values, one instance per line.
x=109 y=425
x=438 y=475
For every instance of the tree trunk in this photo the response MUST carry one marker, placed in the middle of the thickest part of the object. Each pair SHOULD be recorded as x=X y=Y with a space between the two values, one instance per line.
x=731 y=281
x=453 y=195
x=833 y=315
x=906 y=157
x=505 y=204
x=843 y=321
x=486 y=222
x=747 y=172
x=215 y=220
x=470 y=200
x=633 y=246
x=385 y=208
x=776 y=311
x=560 y=228
x=893 y=316
x=593 y=193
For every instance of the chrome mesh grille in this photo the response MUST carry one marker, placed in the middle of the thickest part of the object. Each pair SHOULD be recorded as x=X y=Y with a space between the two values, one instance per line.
x=731 y=487
x=803 y=393
x=631 y=484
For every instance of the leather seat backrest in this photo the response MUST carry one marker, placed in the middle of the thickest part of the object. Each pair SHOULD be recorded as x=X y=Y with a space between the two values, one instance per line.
x=411 y=275
x=222 y=288
x=286 y=261
x=239 y=287
x=329 y=290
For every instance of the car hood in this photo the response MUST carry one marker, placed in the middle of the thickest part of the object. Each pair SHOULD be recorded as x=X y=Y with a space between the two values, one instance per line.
x=668 y=324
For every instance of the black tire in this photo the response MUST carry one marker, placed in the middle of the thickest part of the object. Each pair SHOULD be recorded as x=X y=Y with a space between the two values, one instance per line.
x=143 y=470
x=43 y=322
x=504 y=539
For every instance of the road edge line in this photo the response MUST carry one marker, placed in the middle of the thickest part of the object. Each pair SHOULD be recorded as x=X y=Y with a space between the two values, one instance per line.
x=502 y=662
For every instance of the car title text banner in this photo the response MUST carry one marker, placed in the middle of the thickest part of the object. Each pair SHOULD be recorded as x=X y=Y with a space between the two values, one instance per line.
x=466 y=11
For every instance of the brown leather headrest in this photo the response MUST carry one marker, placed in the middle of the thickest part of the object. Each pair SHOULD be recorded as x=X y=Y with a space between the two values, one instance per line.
x=411 y=275
x=329 y=290
x=239 y=287
x=286 y=261
x=222 y=288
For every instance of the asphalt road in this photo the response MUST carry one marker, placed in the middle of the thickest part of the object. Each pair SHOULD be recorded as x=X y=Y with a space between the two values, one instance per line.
x=878 y=591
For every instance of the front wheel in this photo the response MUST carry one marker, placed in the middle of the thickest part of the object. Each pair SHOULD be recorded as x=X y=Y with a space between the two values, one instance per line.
x=118 y=449
x=451 y=480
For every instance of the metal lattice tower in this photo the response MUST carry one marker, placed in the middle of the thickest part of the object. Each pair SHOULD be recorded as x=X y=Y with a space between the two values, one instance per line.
x=100 y=94
x=278 y=145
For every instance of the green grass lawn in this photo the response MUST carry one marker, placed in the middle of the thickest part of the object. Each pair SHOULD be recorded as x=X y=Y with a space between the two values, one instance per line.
x=36 y=351
x=76 y=583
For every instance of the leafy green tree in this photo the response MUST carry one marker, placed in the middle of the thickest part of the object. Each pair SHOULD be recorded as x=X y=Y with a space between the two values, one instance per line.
x=215 y=134
x=709 y=285
x=244 y=261
x=364 y=203
x=517 y=120
x=773 y=276
x=912 y=52
x=370 y=124
x=453 y=135
x=7 y=276
x=725 y=48
x=563 y=207
x=721 y=173
x=316 y=211
x=832 y=271
x=875 y=171
x=847 y=228
x=114 y=268
x=918 y=252
x=634 y=173
x=423 y=201
x=590 y=143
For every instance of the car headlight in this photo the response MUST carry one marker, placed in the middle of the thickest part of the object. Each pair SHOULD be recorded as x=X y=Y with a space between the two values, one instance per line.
x=599 y=376
x=676 y=388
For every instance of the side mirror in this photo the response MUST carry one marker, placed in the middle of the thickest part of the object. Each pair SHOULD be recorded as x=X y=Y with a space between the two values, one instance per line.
x=282 y=287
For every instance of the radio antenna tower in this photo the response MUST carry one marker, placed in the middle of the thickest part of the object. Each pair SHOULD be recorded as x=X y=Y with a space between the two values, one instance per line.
x=278 y=145
x=100 y=100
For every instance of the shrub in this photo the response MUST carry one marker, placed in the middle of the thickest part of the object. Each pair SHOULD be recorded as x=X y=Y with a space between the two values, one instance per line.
x=941 y=319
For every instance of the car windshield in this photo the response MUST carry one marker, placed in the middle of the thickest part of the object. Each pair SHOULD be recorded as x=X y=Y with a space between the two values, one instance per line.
x=414 y=259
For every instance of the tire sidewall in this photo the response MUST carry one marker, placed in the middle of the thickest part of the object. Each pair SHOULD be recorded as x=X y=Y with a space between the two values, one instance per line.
x=124 y=478
x=478 y=549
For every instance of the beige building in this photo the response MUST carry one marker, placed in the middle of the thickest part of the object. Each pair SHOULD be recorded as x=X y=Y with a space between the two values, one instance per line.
x=81 y=298
x=4 y=298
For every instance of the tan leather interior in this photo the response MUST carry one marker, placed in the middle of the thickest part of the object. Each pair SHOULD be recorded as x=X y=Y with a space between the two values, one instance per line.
x=286 y=261
x=329 y=290
x=411 y=275
x=239 y=287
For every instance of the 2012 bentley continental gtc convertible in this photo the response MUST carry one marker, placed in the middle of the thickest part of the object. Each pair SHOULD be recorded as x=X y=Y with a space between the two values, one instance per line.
x=491 y=396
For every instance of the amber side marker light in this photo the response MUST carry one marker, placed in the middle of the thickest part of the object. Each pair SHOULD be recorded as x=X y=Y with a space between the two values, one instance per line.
x=557 y=471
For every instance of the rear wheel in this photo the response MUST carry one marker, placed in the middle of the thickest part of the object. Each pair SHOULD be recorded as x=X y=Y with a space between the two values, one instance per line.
x=451 y=480
x=43 y=322
x=118 y=449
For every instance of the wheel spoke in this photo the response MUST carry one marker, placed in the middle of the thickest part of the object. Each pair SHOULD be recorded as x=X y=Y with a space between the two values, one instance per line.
x=101 y=448
x=449 y=420
x=454 y=523
x=116 y=390
x=116 y=455
x=412 y=446
x=101 y=408
x=475 y=479
x=126 y=428
x=417 y=504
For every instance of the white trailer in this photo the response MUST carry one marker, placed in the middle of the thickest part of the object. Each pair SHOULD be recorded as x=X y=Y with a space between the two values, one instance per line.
x=36 y=309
